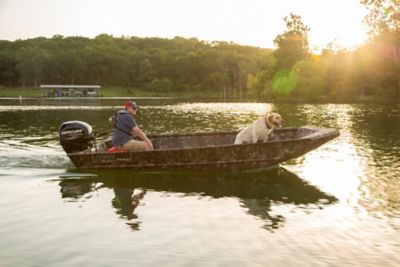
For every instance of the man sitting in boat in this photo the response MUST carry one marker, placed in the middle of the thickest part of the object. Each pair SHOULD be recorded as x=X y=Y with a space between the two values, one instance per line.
x=125 y=128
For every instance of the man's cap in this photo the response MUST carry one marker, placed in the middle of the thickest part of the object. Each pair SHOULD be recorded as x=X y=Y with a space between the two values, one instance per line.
x=131 y=104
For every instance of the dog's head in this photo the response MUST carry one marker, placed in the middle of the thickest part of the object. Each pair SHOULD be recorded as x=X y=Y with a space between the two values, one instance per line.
x=274 y=120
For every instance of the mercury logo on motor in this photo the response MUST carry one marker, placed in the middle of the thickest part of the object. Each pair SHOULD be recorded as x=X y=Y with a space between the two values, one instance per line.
x=79 y=131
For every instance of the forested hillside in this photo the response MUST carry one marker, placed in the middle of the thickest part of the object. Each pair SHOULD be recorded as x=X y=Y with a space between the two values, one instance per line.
x=152 y=63
x=288 y=71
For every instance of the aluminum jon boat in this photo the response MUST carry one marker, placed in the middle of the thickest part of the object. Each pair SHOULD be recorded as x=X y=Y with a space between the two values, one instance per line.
x=213 y=151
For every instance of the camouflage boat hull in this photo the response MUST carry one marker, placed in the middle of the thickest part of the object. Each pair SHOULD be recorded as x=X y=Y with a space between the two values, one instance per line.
x=210 y=151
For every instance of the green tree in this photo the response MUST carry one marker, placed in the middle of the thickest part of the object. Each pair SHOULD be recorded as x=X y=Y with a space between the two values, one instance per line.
x=8 y=74
x=133 y=62
x=259 y=85
x=216 y=81
x=342 y=75
x=146 y=71
x=292 y=45
x=383 y=15
x=311 y=79
x=69 y=66
x=384 y=22
x=161 y=85
x=32 y=62
x=380 y=63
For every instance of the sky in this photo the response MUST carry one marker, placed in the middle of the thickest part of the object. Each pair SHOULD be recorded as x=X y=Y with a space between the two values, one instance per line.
x=245 y=22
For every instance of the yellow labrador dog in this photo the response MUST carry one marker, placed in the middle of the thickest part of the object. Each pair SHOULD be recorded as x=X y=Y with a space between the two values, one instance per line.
x=259 y=130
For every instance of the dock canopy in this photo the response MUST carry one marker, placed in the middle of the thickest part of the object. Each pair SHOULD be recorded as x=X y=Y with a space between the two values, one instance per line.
x=57 y=90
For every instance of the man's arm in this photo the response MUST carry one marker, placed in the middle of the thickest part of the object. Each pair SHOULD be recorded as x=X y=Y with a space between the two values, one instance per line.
x=139 y=133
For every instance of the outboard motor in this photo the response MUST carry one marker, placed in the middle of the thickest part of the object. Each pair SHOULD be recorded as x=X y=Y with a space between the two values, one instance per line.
x=76 y=136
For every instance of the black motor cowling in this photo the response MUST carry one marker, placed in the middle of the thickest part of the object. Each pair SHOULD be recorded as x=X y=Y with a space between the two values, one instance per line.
x=76 y=136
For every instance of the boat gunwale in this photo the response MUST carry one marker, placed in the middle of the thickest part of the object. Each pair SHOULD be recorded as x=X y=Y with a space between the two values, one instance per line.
x=318 y=132
x=228 y=132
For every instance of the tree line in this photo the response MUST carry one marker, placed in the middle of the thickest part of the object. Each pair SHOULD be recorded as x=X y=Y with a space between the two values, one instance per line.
x=157 y=64
x=289 y=71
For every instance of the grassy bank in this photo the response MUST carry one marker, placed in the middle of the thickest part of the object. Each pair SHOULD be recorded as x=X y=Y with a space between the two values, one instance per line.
x=107 y=92
x=195 y=95
x=19 y=91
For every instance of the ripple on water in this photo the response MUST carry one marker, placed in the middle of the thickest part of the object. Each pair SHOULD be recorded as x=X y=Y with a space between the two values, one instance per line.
x=337 y=205
x=19 y=153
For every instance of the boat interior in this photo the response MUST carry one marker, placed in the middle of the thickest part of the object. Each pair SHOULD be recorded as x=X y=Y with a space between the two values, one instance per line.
x=179 y=141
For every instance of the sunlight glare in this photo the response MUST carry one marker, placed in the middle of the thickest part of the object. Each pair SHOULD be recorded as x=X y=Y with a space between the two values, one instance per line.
x=258 y=109
x=337 y=167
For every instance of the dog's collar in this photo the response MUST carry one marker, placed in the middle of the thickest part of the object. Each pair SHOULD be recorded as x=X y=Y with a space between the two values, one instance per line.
x=267 y=124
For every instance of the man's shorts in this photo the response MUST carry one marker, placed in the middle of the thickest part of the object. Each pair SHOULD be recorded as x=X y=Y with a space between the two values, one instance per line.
x=134 y=145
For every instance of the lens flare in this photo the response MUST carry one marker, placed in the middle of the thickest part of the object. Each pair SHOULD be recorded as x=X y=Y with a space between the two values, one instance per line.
x=284 y=82
x=387 y=11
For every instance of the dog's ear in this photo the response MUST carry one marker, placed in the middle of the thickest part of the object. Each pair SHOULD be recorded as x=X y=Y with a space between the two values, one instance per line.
x=270 y=118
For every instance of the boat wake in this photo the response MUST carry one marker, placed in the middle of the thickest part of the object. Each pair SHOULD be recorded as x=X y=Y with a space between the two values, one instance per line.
x=18 y=153
x=35 y=161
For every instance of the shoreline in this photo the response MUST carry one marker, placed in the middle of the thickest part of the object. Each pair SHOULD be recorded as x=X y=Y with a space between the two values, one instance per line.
x=84 y=98
x=202 y=99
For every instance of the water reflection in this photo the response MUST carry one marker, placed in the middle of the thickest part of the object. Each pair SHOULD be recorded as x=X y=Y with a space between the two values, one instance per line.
x=361 y=167
x=258 y=193
x=126 y=199
x=220 y=215
x=364 y=162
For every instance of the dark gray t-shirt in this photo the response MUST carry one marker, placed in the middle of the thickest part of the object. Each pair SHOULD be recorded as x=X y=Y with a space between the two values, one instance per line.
x=123 y=125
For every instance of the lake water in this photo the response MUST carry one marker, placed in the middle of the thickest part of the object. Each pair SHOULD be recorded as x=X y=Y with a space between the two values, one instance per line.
x=338 y=205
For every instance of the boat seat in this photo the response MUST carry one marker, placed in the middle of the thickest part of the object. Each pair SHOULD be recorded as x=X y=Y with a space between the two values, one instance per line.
x=116 y=150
